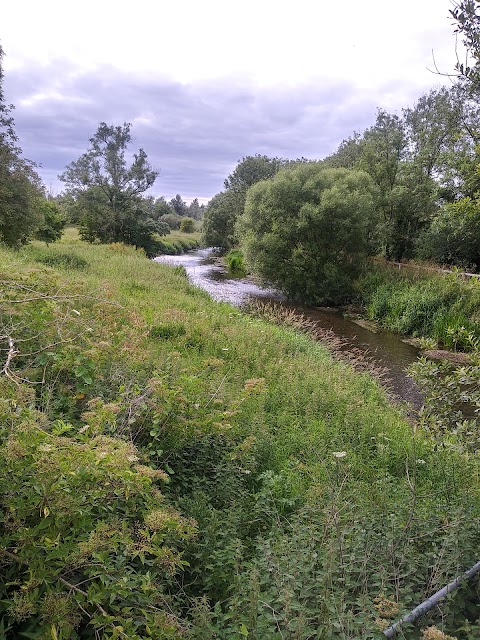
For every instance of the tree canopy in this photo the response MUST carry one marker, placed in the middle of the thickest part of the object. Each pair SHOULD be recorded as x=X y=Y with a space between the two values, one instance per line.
x=21 y=189
x=108 y=190
x=308 y=230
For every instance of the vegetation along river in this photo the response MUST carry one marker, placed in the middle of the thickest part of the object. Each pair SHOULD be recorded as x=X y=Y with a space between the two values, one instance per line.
x=385 y=350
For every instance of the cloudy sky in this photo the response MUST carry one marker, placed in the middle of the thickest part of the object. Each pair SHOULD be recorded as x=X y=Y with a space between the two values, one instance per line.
x=206 y=82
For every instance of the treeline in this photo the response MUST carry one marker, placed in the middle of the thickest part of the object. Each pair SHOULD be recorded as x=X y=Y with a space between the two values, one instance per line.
x=407 y=187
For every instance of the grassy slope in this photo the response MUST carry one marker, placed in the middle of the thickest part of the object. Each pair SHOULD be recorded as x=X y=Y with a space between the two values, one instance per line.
x=250 y=418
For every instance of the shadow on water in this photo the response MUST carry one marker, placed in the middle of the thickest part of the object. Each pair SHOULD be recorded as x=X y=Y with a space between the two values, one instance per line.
x=385 y=349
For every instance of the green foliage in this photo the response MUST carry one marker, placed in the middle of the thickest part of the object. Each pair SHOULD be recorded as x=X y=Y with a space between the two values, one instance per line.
x=444 y=308
x=452 y=401
x=405 y=196
x=107 y=191
x=320 y=511
x=224 y=209
x=250 y=170
x=454 y=235
x=53 y=222
x=220 y=218
x=67 y=260
x=308 y=230
x=172 y=220
x=20 y=186
x=83 y=512
x=178 y=243
x=187 y=225
x=178 y=205
x=235 y=263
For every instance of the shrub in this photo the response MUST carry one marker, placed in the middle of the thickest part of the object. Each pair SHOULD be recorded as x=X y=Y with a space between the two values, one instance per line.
x=235 y=262
x=187 y=225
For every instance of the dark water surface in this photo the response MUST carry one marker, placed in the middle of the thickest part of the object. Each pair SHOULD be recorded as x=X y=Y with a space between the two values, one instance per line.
x=386 y=349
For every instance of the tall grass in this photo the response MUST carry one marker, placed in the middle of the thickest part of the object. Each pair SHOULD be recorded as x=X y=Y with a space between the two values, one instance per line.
x=316 y=502
x=443 y=307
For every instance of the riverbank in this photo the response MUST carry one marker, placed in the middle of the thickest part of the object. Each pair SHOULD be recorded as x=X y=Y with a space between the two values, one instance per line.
x=302 y=501
x=444 y=308
x=178 y=242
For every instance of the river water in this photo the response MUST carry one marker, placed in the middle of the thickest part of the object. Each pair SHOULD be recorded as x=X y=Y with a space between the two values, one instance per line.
x=386 y=350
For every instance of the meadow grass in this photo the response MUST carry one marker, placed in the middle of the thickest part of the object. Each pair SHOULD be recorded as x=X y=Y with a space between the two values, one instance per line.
x=310 y=491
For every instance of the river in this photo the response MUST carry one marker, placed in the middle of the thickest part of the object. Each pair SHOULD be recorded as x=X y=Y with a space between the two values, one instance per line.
x=386 y=350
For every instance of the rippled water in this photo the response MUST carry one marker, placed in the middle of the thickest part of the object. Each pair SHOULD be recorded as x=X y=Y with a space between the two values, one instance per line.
x=386 y=349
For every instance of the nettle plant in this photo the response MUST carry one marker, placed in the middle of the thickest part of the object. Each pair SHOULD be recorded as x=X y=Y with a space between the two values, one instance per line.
x=88 y=544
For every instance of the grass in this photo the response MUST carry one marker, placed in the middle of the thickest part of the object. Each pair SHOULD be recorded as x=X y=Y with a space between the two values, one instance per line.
x=178 y=242
x=310 y=491
x=442 y=307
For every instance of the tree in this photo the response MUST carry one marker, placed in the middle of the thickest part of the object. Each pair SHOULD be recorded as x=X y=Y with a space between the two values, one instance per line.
x=308 y=230
x=467 y=17
x=405 y=191
x=108 y=190
x=162 y=208
x=224 y=209
x=53 y=223
x=252 y=169
x=220 y=217
x=195 y=210
x=178 y=205
x=20 y=186
x=454 y=235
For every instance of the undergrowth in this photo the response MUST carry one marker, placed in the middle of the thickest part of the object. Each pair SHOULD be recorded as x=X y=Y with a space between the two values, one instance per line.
x=442 y=307
x=174 y=468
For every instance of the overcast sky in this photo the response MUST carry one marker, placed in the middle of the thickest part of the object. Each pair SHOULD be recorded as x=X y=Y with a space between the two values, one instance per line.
x=206 y=82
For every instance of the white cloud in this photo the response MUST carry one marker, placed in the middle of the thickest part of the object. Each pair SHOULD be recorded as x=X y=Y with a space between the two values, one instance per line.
x=207 y=82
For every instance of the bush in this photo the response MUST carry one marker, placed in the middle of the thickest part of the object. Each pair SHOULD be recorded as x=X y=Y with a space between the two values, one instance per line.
x=187 y=225
x=235 y=262
x=441 y=307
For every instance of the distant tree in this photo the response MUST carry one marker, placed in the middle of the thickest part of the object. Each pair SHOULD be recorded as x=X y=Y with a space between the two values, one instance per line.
x=53 y=221
x=109 y=191
x=162 y=208
x=252 y=169
x=187 y=225
x=195 y=211
x=172 y=220
x=224 y=209
x=220 y=217
x=308 y=230
x=20 y=186
x=178 y=205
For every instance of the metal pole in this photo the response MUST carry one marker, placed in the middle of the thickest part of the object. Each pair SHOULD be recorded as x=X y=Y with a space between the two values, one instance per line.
x=428 y=604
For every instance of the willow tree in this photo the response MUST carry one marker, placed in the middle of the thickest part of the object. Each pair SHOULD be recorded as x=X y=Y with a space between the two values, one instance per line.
x=309 y=229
